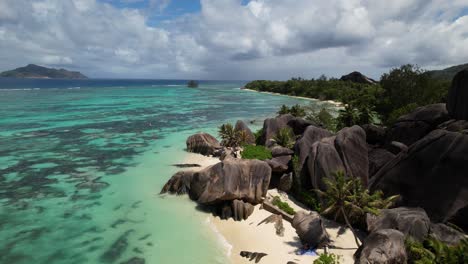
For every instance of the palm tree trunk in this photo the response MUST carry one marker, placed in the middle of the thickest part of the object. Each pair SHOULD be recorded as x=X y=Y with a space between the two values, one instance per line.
x=350 y=227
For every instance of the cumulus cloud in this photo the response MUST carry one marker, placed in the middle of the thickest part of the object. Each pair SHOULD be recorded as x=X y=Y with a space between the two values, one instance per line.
x=227 y=39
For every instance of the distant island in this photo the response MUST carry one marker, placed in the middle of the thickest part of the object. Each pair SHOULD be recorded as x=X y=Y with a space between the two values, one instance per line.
x=35 y=71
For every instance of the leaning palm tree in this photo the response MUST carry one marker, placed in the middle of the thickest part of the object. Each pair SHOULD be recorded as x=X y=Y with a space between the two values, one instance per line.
x=347 y=198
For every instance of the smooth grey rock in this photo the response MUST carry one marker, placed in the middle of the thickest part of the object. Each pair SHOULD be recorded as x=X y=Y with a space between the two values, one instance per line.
x=271 y=126
x=279 y=164
x=415 y=125
x=378 y=157
x=384 y=246
x=242 y=126
x=375 y=135
x=310 y=229
x=432 y=175
x=412 y=222
x=286 y=182
x=457 y=103
x=279 y=151
x=202 y=143
x=446 y=234
x=299 y=125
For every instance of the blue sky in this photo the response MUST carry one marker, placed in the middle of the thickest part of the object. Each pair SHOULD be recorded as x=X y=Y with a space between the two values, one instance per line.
x=232 y=39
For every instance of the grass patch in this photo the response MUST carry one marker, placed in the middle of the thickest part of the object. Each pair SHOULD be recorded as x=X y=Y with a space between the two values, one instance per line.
x=327 y=259
x=256 y=152
x=283 y=205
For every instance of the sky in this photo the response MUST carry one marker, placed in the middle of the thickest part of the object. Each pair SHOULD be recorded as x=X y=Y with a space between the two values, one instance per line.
x=232 y=39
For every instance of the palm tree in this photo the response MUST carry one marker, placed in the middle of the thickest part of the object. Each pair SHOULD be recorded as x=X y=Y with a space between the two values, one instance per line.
x=284 y=137
x=230 y=137
x=347 y=198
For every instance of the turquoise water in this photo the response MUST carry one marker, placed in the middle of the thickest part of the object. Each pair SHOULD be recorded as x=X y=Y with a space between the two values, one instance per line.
x=81 y=168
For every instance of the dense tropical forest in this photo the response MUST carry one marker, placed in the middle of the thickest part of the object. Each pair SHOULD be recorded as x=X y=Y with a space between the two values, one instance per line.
x=399 y=91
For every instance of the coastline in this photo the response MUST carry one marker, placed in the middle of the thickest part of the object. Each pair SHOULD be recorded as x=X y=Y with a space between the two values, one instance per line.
x=335 y=103
x=249 y=235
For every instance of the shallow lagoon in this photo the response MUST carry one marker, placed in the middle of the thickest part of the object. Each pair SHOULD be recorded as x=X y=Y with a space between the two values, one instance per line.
x=81 y=168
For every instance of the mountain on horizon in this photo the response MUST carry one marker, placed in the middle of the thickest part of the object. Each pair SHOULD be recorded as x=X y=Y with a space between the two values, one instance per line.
x=36 y=71
x=448 y=73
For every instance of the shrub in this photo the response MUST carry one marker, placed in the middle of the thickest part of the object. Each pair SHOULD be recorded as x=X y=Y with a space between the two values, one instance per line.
x=258 y=136
x=327 y=259
x=283 y=205
x=295 y=110
x=256 y=152
x=284 y=137
x=433 y=251
x=309 y=199
x=323 y=118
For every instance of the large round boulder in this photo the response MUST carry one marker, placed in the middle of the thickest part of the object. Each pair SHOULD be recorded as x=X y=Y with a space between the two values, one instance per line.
x=347 y=152
x=310 y=229
x=432 y=175
x=202 y=143
x=378 y=157
x=241 y=126
x=299 y=125
x=311 y=135
x=271 y=126
x=375 y=135
x=457 y=104
x=384 y=246
x=415 y=125
x=412 y=222
x=231 y=179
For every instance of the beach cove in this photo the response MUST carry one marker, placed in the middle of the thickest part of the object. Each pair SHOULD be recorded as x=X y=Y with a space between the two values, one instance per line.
x=91 y=158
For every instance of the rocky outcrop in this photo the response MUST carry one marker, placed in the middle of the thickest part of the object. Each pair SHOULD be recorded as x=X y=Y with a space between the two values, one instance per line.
x=446 y=234
x=279 y=164
x=347 y=152
x=378 y=157
x=253 y=256
x=358 y=77
x=279 y=151
x=412 y=222
x=202 y=143
x=299 y=125
x=350 y=143
x=311 y=135
x=271 y=126
x=237 y=209
x=415 y=125
x=432 y=174
x=375 y=135
x=285 y=182
x=231 y=179
x=457 y=103
x=310 y=229
x=241 y=126
x=385 y=246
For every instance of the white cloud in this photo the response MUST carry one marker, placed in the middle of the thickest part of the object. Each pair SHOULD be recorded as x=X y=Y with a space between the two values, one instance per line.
x=227 y=40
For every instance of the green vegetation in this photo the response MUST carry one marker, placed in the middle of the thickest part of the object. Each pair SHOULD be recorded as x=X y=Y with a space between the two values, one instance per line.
x=399 y=92
x=285 y=137
x=346 y=199
x=258 y=136
x=295 y=110
x=283 y=205
x=322 y=118
x=308 y=198
x=231 y=137
x=433 y=251
x=408 y=85
x=256 y=152
x=327 y=259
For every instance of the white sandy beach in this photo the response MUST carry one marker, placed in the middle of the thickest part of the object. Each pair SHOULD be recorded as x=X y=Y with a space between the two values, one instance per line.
x=249 y=236
x=338 y=104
